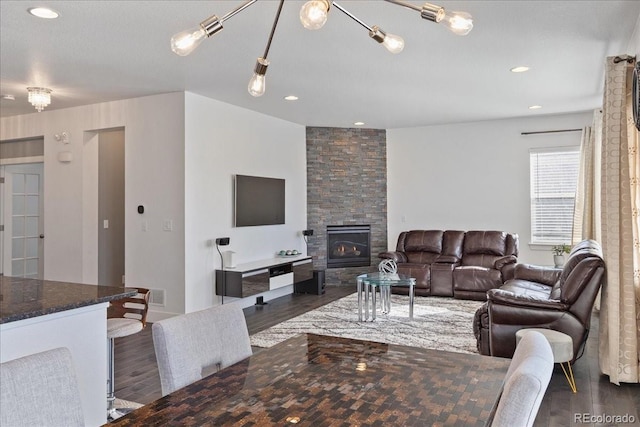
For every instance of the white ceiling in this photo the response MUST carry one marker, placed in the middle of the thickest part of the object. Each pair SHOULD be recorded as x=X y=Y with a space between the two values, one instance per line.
x=107 y=50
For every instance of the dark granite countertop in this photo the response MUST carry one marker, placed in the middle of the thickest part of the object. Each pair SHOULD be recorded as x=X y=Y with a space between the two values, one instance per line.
x=22 y=298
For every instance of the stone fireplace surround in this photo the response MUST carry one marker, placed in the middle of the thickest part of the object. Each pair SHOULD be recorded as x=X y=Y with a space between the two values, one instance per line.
x=346 y=185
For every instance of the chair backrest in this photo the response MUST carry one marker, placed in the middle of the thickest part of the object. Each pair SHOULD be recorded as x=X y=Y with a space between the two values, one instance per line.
x=134 y=307
x=190 y=346
x=40 y=390
x=525 y=383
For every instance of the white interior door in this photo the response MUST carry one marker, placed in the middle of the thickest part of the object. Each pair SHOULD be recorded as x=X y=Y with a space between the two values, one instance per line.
x=23 y=246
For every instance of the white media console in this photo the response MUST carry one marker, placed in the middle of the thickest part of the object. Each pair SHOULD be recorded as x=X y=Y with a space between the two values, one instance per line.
x=252 y=278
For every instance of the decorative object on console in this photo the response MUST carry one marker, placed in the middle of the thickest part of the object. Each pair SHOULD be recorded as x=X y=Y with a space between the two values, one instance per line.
x=313 y=16
x=558 y=254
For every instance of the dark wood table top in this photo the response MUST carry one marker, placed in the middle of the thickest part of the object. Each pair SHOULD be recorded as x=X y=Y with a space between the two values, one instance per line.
x=316 y=380
x=22 y=298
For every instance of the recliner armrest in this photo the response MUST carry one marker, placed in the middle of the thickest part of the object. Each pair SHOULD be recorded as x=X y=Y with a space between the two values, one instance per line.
x=499 y=296
x=505 y=260
x=535 y=273
x=398 y=257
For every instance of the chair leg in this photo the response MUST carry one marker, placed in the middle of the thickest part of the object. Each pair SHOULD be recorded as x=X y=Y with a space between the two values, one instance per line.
x=568 y=373
x=112 y=412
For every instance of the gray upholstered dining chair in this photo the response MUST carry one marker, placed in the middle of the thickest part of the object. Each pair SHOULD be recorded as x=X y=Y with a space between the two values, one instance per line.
x=525 y=383
x=193 y=345
x=40 y=390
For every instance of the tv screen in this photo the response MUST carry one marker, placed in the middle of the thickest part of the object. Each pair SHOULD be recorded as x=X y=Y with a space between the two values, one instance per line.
x=258 y=201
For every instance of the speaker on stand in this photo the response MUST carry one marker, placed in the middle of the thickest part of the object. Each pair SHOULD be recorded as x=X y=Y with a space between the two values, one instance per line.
x=313 y=286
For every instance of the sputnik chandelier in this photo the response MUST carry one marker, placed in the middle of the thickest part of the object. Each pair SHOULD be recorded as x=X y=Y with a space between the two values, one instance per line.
x=313 y=15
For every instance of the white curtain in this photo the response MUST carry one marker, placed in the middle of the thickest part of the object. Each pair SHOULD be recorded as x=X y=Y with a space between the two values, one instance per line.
x=619 y=347
x=607 y=210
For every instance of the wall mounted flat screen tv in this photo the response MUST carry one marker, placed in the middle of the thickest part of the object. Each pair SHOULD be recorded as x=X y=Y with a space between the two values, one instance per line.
x=258 y=201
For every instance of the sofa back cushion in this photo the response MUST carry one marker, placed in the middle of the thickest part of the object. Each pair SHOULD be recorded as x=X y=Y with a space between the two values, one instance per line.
x=485 y=243
x=452 y=243
x=423 y=241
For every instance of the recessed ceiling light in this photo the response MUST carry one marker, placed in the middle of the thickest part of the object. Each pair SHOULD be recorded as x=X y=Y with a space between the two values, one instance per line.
x=535 y=107
x=520 y=69
x=291 y=98
x=359 y=123
x=8 y=97
x=43 y=12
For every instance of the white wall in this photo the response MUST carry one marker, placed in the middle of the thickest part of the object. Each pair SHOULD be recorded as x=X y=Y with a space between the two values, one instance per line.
x=472 y=176
x=154 y=174
x=181 y=151
x=220 y=141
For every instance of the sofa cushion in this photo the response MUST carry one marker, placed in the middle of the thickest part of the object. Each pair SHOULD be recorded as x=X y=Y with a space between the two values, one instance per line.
x=521 y=287
x=475 y=279
x=424 y=241
x=485 y=242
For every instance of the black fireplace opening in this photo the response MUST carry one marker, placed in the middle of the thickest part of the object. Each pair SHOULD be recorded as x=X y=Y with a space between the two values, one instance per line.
x=348 y=246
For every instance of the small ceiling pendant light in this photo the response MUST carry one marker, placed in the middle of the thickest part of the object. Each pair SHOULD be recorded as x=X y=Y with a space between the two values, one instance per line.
x=313 y=14
x=393 y=43
x=257 y=84
x=39 y=97
x=43 y=12
x=187 y=41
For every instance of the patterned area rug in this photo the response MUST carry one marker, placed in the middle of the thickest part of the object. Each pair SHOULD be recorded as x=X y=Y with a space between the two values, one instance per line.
x=438 y=323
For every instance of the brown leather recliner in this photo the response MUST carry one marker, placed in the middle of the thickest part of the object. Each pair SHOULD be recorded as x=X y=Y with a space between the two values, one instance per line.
x=542 y=297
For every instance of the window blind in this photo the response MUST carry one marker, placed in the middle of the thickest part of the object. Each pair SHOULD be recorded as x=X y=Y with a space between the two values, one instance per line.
x=554 y=177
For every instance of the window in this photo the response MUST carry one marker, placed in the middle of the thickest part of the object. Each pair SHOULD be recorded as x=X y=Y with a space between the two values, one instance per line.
x=554 y=178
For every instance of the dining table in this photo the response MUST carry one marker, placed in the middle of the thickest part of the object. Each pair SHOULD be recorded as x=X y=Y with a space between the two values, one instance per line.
x=319 y=380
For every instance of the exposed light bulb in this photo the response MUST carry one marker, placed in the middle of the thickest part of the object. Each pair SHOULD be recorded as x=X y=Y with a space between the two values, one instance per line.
x=187 y=41
x=460 y=23
x=313 y=14
x=393 y=43
x=257 y=84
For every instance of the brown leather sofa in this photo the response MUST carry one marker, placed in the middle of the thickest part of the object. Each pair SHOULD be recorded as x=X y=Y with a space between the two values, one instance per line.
x=455 y=263
x=542 y=297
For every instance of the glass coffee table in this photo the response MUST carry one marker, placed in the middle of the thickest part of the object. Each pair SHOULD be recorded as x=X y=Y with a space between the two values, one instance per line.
x=367 y=284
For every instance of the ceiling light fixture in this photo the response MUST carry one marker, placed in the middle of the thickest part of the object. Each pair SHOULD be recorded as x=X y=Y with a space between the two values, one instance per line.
x=520 y=69
x=43 y=12
x=8 y=97
x=291 y=98
x=358 y=123
x=535 y=107
x=257 y=84
x=39 y=97
x=313 y=16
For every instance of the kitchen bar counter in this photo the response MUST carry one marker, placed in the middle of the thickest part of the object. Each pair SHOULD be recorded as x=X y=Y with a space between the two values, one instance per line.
x=38 y=315
x=22 y=298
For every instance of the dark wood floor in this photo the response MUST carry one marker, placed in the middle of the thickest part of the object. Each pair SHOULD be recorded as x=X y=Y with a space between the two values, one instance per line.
x=137 y=374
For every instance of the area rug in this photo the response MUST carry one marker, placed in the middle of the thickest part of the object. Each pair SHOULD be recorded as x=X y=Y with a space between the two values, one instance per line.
x=438 y=323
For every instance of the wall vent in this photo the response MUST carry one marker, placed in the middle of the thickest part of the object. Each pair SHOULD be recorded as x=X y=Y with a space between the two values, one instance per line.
x=157 y=297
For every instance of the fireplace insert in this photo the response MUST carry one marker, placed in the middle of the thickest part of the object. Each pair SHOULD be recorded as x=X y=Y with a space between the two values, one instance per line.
x=348 y=246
